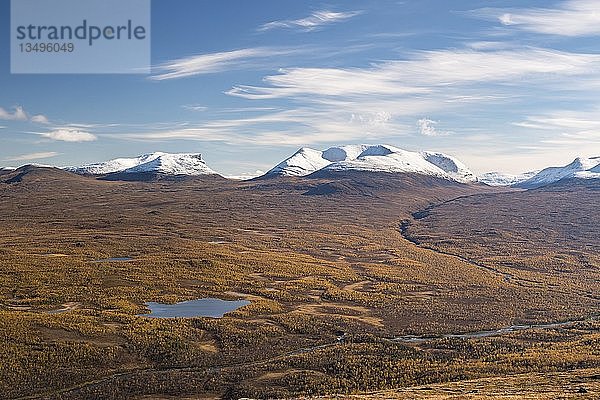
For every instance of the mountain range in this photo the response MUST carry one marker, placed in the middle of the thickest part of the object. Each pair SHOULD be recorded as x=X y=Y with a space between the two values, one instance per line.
x=306 y=162
x=373 y=158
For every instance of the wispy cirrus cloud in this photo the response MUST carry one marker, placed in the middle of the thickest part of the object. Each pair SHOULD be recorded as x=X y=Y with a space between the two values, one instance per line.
x=424 y=73
x=194 y=107
x=561 y=120
x=383 y=100
x=211 y=63
x=570 y=18
x=315 y=21
x=566 y=127
x=33 y=156
x=68 y=134
x=295 y=127
x=271 y=58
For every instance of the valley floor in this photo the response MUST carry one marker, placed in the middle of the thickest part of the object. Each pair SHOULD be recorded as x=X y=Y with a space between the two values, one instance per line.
x=333 y=269
x=580 y=384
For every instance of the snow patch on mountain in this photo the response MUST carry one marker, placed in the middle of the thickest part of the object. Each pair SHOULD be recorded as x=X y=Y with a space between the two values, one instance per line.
x=592 y=173
x=381 y=159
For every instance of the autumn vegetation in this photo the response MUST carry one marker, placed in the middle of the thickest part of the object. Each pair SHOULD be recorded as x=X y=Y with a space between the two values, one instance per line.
x=333 y=276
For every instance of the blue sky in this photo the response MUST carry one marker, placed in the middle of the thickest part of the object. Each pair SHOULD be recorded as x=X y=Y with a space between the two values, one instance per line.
x=502 y=85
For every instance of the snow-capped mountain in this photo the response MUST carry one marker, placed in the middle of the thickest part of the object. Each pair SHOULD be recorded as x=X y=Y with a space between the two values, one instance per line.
x=190 y=164
x=373 y=158
x=502 y=179
x=174 y=164
x=581 y=167
x=111 y=166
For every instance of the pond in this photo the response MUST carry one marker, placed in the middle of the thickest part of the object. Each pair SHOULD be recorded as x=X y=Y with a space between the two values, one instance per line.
x=208 y=307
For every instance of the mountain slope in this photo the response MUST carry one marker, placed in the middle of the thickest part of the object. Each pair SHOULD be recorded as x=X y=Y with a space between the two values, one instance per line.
x=581 y=167
x=36 y=174
x=304 y=162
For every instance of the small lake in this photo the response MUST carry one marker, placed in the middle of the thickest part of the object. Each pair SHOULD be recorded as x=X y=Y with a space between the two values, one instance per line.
x=209 y=307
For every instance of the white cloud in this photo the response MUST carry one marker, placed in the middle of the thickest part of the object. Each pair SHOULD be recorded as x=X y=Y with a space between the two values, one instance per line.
x=383 y=100
x=18 y=114
x=390 y=94
x=313 y=22
x=301 y=126
x=571 y=18
x=194 y=107
x=372 y=119
x=426 y=72
x=427 y=128
x=69 y=135
x=214 y=62
x=246 y=109
x=40 y=119
x=33 y=156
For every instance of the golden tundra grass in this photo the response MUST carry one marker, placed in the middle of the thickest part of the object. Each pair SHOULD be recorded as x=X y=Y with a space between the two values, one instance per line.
x=314 y=268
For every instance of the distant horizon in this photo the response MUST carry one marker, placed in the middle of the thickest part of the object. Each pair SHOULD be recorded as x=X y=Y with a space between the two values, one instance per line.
x=250 y=174
x=505 y=86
